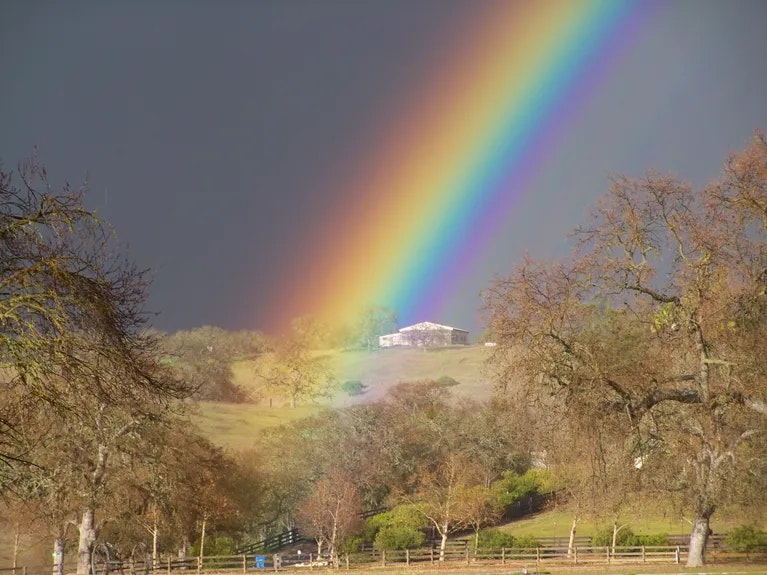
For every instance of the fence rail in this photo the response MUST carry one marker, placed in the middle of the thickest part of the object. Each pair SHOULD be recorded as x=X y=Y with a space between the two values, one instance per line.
x=271 y=543
x=294 y=561
x=540 y=555
x=245 y=563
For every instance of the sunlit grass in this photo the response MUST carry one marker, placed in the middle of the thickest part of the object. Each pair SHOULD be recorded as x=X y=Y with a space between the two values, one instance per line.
x=509 y=569
x=380 y=370
x=236 y=425
x=651 y=520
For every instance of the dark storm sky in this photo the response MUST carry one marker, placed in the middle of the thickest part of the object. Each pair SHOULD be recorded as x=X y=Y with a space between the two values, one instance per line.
x=210 y=131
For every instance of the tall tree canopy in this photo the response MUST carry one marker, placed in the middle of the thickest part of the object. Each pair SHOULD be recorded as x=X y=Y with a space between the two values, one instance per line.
x=656 y=329
x=79 y=375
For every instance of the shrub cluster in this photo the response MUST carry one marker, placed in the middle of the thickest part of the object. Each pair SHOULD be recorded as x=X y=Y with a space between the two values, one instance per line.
x=627 y=538
x=353 y=387
x=398 y=537
x=746 y=539
x=400 y=528
x=495 y=539
x=447 y=381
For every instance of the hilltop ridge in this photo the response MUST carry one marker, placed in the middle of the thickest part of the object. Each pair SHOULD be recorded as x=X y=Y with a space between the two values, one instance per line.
x=235 y=425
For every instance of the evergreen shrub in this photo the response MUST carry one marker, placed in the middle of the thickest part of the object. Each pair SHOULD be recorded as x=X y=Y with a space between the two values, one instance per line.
x=353 y=387
x=495 y=539
x=746 y=539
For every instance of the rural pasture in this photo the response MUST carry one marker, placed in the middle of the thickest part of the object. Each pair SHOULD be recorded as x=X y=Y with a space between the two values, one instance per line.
x=233 y=425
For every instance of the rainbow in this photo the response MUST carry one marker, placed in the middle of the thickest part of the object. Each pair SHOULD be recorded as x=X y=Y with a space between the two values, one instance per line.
x=441 y=183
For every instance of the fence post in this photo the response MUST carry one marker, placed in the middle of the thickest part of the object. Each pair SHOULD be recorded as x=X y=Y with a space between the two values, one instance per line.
x=644 y=558
x=383 y=557
x=676 y=555
x=347 y=561
x=311 y=561
x=608 y=554
x=467 y=555
x=244 y=563
x=537 y=558
x=169 y=565
x=575 y=554
x=431 y=554
x=407 y=556
x=503 y=555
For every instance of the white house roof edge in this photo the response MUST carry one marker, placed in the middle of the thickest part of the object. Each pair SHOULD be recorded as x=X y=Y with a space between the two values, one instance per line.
x=430 y=325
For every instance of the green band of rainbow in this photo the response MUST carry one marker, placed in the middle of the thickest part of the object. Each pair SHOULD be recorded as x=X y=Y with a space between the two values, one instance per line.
x=447 y=175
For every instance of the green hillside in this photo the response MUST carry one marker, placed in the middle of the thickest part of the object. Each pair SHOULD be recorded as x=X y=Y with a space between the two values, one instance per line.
x=381 y=369
x=234 y=425
x=652 y=519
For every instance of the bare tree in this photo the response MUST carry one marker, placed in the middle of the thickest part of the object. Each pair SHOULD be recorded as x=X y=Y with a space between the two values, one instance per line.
x=203 y=358
x=656 y=326
x=294 y=370
x=332 y=512
x=78 y=372
x=481 y=507
x=374 y=321
x=443 y=495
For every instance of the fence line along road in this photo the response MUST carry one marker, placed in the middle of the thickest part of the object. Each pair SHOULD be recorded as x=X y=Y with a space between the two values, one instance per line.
x=245 y=563
x=518 y=559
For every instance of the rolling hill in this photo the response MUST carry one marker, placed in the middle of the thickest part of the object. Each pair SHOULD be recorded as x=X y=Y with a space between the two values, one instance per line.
x=234 y=425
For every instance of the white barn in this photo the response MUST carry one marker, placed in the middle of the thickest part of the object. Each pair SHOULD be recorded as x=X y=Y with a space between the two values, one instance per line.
x=425 y=334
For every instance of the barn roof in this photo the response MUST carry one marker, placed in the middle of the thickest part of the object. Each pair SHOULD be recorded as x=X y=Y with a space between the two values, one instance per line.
x=430 y=326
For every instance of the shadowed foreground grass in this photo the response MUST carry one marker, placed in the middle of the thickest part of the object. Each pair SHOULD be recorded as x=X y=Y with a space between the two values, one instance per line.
x=713 y=569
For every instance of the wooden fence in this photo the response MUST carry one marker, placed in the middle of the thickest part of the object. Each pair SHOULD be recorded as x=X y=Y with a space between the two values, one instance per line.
x=535 y=557
x=272 y=543
x=459 y=551
x=532 y=558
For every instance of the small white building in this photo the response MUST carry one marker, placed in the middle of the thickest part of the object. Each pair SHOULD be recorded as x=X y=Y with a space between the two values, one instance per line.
x=425 y=334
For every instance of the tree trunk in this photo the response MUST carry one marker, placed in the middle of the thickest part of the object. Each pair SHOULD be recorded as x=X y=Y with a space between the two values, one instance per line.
x=58 y=556
x=155 y=535
x=570 y=543
x=443 y=545
x=332 y=545
x=184 y=549
x=86 y=541
x=698 y=539
x=616 y=530
x=202 y=540
x=16 y=535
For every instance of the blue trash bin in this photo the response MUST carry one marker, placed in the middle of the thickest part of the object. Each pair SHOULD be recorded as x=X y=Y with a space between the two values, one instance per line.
x=260 y=561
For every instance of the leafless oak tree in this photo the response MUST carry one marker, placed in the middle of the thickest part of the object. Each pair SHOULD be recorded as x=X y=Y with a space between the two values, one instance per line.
x=656 y=326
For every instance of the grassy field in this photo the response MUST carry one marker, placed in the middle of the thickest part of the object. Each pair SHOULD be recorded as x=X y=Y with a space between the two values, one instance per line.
x=556 y=523
x=714 y=569
x=379 y=370
x=234 y=425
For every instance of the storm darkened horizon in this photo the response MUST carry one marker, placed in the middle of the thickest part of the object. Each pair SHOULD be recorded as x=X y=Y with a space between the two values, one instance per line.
x=229 y=143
